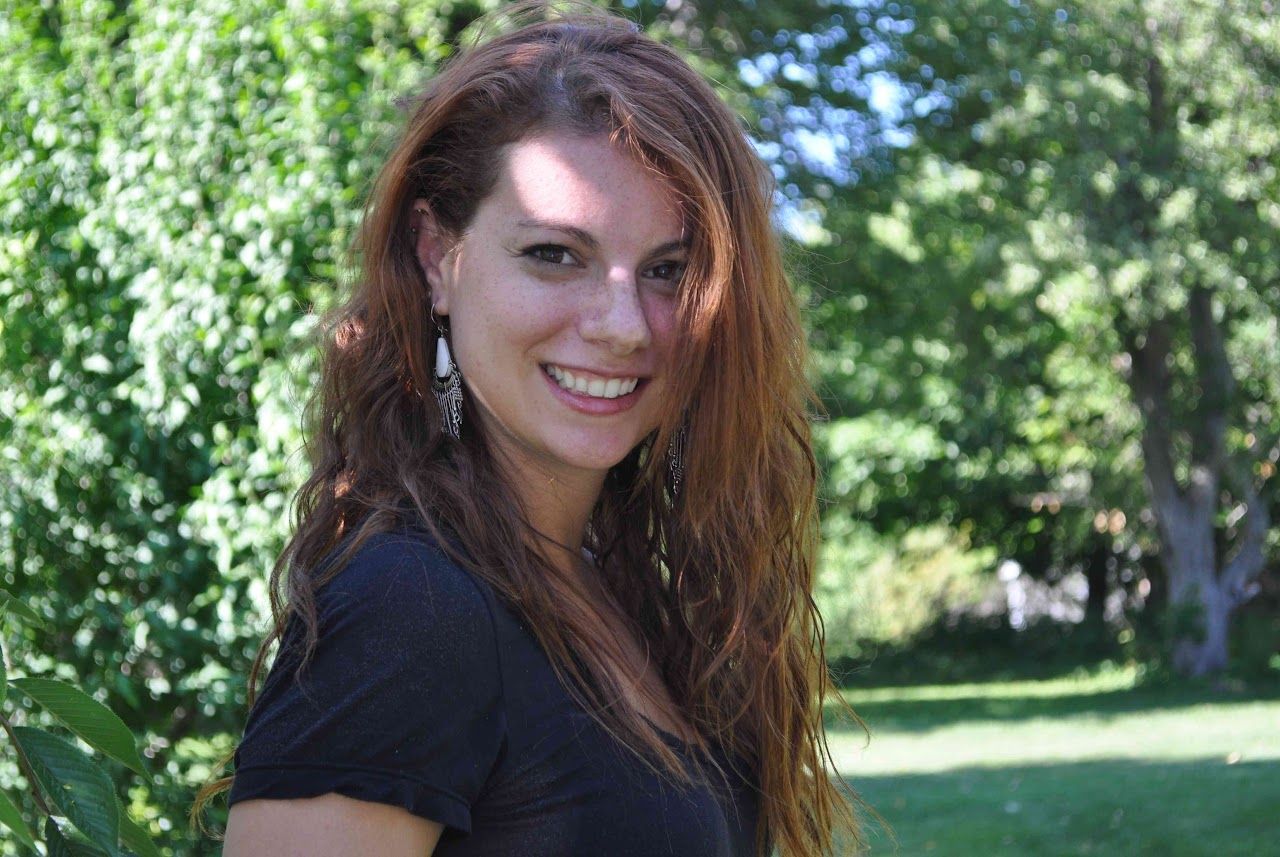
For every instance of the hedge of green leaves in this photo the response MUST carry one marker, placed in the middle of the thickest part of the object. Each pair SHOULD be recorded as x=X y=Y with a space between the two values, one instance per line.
x=177 y=184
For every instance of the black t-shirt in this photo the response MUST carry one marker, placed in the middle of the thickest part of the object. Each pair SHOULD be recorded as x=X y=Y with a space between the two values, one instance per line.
x=426 y=692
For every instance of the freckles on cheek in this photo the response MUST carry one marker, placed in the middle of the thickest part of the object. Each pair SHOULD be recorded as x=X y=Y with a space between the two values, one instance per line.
x=663 y=323
x=523 y=322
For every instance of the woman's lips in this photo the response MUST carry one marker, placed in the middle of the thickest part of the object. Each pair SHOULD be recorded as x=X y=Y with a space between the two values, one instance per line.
x=594 y=405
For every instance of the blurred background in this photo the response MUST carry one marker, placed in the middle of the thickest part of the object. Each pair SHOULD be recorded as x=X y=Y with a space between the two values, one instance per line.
x=1038 y=245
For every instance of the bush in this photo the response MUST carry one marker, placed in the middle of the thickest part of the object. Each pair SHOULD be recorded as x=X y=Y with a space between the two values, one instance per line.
x=874 y=593
x=971 y=648
x=178 y=181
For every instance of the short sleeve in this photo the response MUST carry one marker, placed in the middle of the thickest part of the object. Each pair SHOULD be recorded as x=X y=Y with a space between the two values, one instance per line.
x=402 y=699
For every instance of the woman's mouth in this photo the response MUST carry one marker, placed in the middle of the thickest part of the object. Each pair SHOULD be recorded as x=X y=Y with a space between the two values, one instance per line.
x=593 y=394
x=588 y=385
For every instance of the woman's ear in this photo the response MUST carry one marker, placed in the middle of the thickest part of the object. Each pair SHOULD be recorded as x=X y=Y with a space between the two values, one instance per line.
x=430 y=247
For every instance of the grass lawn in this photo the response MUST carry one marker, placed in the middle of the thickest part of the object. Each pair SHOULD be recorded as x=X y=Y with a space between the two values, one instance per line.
x=1094 y=764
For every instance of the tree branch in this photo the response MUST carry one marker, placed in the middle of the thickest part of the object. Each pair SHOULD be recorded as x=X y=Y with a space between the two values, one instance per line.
x=1149 y=381
x=1250 y=556
x=1217 y=390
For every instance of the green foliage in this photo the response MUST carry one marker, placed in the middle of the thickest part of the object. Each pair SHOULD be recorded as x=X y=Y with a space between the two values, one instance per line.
x=1255 y=643
x=61 y=779
x=1068 y=175
x=93 y=721
x=872 y=593
x=179 y=183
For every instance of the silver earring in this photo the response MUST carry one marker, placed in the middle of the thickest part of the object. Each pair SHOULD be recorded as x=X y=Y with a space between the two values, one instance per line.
x=675 y=457
x=446 y=385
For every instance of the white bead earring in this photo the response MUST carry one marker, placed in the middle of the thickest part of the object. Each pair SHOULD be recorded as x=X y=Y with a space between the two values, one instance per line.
x=446 y=384
x=446 y=380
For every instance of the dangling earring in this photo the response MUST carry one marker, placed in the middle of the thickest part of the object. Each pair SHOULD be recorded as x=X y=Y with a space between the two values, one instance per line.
x=675 y=457
x=446 y=384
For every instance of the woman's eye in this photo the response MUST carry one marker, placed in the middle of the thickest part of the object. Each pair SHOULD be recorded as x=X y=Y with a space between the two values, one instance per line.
x=552 y=254
x=668 y=270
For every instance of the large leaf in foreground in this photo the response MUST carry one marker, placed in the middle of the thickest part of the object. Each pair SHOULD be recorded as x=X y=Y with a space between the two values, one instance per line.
x=74 y=783
x=134 y=836
x=63 y=845
x=99 y=726
x=11 y=818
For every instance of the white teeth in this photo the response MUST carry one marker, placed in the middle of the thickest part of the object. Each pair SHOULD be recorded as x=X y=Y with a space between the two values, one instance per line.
x=597 y=388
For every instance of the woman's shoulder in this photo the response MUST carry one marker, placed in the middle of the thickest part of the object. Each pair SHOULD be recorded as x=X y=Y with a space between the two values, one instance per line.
x=402 y=701
x=396 y=597
x=407 y=572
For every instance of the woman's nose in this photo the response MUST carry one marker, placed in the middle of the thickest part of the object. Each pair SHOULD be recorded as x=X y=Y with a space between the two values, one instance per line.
x=615 y=316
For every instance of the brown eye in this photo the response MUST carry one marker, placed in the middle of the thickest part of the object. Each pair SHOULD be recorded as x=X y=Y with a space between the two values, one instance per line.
x=551 y=254
x=667 y=271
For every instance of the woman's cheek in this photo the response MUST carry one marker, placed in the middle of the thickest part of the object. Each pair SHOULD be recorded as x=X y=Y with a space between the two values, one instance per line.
x=661 y=313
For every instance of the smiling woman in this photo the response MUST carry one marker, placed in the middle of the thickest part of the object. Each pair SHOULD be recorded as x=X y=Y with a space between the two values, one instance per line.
x=550 y=592
x=541 y=330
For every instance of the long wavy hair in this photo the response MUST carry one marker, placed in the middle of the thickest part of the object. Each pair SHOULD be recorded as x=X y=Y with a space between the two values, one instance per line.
x=716 y=582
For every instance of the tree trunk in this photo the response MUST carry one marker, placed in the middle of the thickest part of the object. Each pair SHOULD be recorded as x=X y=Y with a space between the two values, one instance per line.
x=1201 y=612
x=1204 y=588
x=1208 y=654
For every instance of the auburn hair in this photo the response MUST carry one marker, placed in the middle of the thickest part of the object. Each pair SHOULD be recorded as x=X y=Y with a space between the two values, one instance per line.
x=717 y=580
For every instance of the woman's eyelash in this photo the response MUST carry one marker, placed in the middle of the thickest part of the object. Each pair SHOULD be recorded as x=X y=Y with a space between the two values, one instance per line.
x=679 y=268
x=534 y=251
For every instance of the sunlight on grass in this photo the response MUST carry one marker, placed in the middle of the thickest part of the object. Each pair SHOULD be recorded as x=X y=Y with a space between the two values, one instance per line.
x=937 y=728
x=1083 y=764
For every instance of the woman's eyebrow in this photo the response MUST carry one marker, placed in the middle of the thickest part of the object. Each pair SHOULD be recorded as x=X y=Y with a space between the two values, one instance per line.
x=670 y=247
x=589 y=240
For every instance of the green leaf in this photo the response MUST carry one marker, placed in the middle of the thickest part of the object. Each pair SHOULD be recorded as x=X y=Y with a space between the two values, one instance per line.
x=63 y=845
x=74 y=783
x=134 y=836
x=98 y=725
x=11 y=817
x=53 y=838
x=10 y=606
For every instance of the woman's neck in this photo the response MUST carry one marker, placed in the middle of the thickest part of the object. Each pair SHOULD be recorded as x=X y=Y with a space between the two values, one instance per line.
x=558 y=504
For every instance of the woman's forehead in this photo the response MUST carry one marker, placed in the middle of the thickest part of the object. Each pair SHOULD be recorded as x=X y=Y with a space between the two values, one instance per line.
x=567 y=178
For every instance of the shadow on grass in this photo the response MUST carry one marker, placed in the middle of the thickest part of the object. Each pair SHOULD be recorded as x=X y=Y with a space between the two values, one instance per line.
x=915 y=715
x=975 y=649
x=1102 y=807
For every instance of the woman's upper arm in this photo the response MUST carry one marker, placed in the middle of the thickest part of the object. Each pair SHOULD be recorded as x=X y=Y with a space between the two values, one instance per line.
x=400 y=711
x=331 y=825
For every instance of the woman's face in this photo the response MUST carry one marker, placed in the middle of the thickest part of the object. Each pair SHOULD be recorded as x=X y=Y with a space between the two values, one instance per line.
x=561 y=300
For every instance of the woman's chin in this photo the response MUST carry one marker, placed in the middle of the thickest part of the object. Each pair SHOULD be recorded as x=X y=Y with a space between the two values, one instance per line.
x=593 y=454
x=594 y=461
